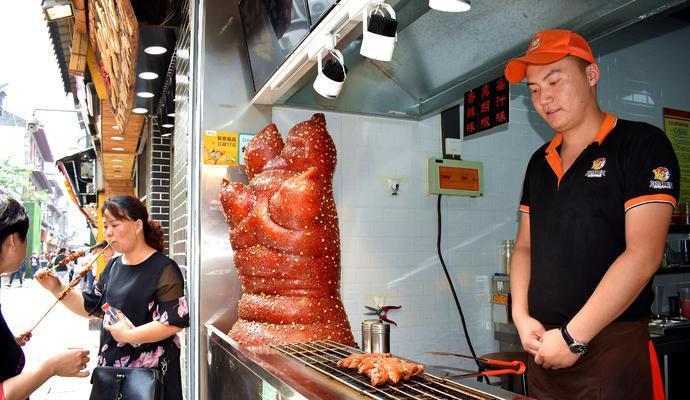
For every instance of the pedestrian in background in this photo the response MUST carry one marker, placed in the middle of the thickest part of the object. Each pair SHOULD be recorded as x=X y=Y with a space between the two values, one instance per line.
x=62 y=269
x=71 y=266
x=18 y=274
x=34 y=265
x=15 y=383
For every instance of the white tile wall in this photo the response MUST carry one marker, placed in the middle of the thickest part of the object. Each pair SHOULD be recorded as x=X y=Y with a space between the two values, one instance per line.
x=388 y=243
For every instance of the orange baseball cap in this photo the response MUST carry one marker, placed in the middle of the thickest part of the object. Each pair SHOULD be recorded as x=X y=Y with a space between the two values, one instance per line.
x=547 y=47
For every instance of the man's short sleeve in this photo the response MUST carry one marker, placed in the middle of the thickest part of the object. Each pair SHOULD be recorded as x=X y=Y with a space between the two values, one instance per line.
x=524 y=200
x=651 y=171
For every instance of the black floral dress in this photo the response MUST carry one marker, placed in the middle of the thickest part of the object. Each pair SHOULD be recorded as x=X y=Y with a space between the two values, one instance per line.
x=152 y=290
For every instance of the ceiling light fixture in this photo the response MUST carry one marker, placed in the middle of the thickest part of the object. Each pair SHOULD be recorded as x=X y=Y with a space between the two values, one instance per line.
x=117 y=138
x=118 y=149
x=117 y=128
x=117 y=160
x=451 y=5
x=331 y=74
x=166 y=134
x=155 y=50
x=380 y=32
x=148 y=75
x=145 y=95
x=172 y=114
x=140 y=110
x=167 y=125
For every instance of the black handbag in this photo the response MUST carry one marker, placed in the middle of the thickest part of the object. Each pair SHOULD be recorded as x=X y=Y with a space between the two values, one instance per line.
x=122 y=383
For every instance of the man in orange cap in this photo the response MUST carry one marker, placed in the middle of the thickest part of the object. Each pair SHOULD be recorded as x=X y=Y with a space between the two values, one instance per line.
x=595 y=209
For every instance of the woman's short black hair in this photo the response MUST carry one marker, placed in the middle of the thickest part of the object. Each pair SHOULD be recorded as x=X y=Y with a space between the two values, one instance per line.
x=13 y=218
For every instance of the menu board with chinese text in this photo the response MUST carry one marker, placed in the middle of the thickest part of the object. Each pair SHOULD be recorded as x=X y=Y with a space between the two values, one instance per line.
x=486 y=106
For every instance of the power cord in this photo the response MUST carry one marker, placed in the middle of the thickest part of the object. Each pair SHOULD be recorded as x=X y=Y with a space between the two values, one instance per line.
x=452 y=288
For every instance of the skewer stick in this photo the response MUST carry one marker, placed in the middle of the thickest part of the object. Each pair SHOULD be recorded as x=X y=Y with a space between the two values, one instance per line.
x=77 y=254
x=72 y=284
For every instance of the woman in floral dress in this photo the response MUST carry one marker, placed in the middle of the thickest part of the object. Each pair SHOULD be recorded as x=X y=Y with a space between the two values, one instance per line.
x=145 y=285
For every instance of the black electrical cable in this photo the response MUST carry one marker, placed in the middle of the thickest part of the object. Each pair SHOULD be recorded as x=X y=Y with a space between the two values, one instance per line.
x=452 y=287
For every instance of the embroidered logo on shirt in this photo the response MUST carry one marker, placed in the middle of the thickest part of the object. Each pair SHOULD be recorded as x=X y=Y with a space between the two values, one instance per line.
x=597 y=171
x=661 y=177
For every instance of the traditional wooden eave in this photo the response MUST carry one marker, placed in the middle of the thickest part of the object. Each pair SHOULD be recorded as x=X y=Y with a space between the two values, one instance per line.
x=122 y=148
x=114 y=34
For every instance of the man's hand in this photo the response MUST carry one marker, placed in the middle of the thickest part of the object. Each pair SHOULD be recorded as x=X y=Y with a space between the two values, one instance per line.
x=530 y=331
x=554 y=352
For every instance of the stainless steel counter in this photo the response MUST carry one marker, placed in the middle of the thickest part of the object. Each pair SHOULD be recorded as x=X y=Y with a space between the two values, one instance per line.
x=235 y=372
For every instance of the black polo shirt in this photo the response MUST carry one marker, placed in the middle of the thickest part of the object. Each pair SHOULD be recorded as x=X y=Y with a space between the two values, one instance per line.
x=577 y=219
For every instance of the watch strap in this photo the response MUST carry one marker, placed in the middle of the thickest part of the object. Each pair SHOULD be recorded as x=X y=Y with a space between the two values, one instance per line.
x=566 y=335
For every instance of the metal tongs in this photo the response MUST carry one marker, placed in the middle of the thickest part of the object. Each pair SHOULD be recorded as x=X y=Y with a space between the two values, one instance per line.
x=493 y=367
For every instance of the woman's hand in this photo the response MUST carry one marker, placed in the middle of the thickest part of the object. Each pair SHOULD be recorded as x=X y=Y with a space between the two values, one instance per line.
x=23 y=338
x=122 y=330
x=48 y=280
x=71 y=363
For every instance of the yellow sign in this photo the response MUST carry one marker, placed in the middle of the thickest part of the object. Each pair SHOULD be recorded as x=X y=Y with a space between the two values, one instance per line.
x=220 y=148
x=677 y=128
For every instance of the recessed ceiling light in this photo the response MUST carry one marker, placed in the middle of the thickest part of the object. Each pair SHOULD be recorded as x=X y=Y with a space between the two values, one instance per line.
x=118 y=149
x=140 y=110
x=155 y=50
x=172 y=114
x=116 y=160
x=148 y=75
x=145 y=95
x=166 y=134
x=167 y=125
x=117 y=138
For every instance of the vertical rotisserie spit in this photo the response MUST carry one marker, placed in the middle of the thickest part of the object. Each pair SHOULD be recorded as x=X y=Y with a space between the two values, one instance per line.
x=285 y=237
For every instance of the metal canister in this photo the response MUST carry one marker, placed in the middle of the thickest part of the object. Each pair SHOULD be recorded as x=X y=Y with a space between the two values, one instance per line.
x=366 y=334
x=380 y=338
x=507 y=247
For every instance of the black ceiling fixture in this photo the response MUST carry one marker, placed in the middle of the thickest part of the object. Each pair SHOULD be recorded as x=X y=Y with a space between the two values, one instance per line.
x=152 y=66
x=158 y=12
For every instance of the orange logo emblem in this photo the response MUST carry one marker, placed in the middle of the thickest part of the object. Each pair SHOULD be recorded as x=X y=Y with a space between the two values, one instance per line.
x=535 y=43
x=661 y=174
x=599 y=163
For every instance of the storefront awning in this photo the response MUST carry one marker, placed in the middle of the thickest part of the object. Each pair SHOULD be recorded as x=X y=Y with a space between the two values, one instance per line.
x=79 y=170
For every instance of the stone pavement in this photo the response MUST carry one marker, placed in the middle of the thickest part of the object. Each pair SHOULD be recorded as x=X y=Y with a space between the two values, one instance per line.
x=59 y=330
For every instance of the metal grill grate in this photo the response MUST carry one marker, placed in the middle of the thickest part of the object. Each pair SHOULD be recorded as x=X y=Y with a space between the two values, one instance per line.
x=323 y=355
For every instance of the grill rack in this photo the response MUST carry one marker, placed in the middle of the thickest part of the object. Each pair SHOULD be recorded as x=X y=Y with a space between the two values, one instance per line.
x=322 y=356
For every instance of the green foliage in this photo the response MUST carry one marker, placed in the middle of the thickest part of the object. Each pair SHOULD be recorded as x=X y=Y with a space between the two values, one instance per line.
x=16 y=182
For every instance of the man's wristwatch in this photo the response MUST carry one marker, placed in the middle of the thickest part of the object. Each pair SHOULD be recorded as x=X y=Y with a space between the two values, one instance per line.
x=576 y=347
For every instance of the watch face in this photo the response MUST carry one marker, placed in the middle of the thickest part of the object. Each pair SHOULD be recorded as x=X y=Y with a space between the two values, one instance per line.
x=578 y=349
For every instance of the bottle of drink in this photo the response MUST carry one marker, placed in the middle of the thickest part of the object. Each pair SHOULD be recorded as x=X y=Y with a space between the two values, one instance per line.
x=115 y=318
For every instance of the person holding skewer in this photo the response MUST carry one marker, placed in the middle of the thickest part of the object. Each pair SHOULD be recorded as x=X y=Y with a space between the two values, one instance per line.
x=145 y=285
x=15 y=382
